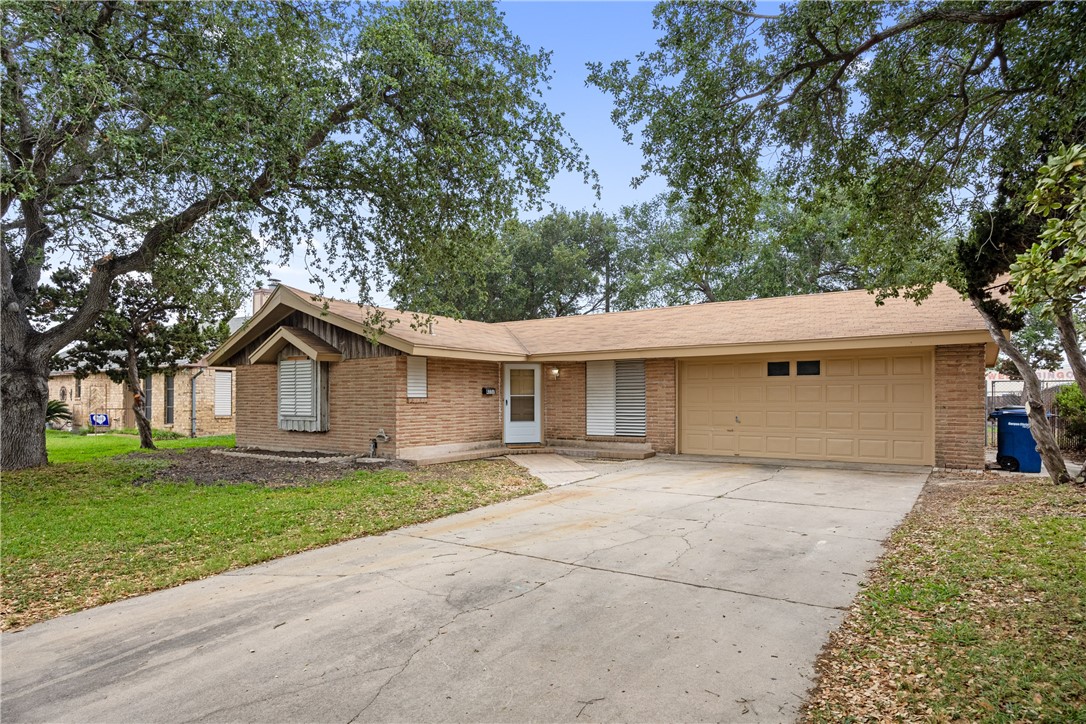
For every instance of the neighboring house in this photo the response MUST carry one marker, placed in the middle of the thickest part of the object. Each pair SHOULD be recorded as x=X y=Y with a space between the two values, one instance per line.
x=169 y=403
x=819 y=377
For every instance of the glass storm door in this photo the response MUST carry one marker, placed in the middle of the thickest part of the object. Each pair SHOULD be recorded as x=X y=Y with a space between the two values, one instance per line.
x=522 y=408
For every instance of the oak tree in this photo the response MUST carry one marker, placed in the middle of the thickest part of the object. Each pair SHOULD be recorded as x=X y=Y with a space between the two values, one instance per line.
x=382 y=139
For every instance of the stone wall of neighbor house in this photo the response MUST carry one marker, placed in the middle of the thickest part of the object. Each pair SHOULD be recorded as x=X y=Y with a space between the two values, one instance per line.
x=959 y=406
x=97 y=395
x=362 y=399
x=455 y=410
x=661 y=403
x=207 y=422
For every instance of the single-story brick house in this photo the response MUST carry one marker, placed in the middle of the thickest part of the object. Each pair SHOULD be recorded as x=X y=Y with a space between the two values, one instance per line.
x=828 y=377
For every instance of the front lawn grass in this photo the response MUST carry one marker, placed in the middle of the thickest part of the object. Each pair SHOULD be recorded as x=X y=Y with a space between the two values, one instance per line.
x=66 y=447
x=80 y=534
x=976 y=613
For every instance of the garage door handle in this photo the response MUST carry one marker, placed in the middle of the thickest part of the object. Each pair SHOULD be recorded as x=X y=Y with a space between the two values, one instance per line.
x=737 y=418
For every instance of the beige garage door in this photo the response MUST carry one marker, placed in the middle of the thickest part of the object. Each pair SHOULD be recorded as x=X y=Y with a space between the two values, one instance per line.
x=872 y=407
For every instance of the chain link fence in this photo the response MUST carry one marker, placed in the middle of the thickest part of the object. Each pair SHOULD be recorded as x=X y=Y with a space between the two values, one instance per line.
x=1008 y=393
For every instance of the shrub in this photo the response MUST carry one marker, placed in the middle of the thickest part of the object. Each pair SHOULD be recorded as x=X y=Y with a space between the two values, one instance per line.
x=1071 y=407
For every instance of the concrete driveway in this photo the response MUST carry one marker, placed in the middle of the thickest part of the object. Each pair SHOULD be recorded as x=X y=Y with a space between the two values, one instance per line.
x=662 y=590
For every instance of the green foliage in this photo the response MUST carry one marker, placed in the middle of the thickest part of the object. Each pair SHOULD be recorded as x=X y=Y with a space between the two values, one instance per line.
x=1052 y=272
x=1071 y=407
x=156 y=434
x=794 y=248
x=560 y=264
x=57 y=412
x=915 y=112
x=1038 y=342
x=388 y=140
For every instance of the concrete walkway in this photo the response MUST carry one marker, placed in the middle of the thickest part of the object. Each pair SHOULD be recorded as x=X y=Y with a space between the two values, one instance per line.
x=664 y=590
x=553 y=470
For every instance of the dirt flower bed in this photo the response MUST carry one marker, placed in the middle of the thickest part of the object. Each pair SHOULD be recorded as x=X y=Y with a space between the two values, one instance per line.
x=206 y=466
x=975 y=613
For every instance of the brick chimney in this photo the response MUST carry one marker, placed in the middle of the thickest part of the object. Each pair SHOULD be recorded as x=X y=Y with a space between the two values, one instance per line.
x=261 y=294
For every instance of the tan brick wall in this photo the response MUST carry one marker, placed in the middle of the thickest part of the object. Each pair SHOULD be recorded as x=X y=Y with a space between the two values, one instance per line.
x=362 y=399
x=564 y=401
x=959 y=406
x=661 y=400
x=564 y=404
x=455 y=410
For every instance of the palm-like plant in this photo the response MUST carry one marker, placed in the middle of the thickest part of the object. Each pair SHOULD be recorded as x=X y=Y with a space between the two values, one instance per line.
x=57 y=413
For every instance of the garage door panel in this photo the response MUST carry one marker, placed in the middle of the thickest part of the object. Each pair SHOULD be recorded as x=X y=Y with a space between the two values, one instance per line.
x=779 y=445
x=752 y=393
x=908 y=421
x=909 y=451
x=872 y=366
x=872 y=393
x=873 y=448
x=863 y=407
x=751 y=444
x=838 y=420
x=840 y=447
x=781 y=393
x=873 y=420
x=909 y=393
x=720 y=394
x=779 y=418
x=839 y=367
x=912 y=365
x=752 y=370
x=723 y=371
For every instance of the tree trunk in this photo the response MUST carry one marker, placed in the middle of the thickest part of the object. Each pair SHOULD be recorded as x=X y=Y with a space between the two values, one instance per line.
x=1070 y=340
x=147 y=441
x=25 y=383
x=1031 y=388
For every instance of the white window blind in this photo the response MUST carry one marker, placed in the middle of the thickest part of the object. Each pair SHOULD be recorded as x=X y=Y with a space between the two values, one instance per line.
x=600 y=398
x=615 y=398
x=297 y=389
x=416 y=377
x=224 y=390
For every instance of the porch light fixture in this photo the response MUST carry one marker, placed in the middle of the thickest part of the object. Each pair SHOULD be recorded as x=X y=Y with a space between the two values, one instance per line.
x=555 y=372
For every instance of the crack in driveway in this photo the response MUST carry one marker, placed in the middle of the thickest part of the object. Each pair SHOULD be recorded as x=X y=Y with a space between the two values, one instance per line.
x=632 y=574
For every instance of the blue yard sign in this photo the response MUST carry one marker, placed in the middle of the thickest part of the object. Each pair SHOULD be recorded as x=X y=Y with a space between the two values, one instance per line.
x=99 y=419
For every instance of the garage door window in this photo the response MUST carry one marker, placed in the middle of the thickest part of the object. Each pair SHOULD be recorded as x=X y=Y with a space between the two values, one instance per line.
x=811 y=367
x=778 y=369
x=615 y=398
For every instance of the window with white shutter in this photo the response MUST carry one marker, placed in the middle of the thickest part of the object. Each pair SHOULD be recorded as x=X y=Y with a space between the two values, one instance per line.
x=416 y=377
x=600 y=398
x=615 y=398
x=224 y=392
x=303 y=395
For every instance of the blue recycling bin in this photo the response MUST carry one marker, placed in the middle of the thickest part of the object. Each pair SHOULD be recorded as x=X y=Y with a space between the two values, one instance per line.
x=1015 y=448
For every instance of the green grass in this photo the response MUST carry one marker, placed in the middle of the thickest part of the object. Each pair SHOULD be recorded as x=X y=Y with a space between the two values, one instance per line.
x=79 y=534
x=66 y=447
x=977 y=613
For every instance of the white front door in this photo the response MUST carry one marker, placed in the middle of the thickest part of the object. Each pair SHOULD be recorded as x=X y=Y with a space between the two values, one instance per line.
x=523 y=421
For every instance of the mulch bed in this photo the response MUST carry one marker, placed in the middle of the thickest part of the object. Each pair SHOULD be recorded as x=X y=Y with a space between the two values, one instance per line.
x=204 y=467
